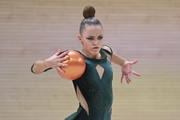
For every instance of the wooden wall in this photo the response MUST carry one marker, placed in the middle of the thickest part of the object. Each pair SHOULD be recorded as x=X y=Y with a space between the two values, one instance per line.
x=35 y=29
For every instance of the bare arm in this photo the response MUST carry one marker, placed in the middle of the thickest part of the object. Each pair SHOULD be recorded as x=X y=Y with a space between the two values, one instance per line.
x=126 y=66
x=55 y=61
x=114 y=58
x=118 y=59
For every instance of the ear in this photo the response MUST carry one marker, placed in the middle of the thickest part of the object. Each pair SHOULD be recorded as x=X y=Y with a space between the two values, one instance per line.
x=79 y=37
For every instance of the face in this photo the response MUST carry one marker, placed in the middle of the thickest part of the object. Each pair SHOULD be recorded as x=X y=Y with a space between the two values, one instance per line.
x=91 y=39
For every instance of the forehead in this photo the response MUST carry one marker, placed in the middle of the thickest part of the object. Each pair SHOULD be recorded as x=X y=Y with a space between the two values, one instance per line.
x=93 y=30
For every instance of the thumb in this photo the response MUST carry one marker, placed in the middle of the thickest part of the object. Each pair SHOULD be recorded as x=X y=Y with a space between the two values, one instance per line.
x=133 y=62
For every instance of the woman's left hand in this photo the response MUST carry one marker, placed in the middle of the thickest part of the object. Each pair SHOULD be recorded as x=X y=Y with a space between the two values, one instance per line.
x=127 y=70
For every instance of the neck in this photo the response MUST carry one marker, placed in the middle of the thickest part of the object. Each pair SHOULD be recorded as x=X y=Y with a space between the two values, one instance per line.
x=90 y=55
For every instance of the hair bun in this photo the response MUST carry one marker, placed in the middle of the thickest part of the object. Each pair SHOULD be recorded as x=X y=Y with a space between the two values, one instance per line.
x=89 y=12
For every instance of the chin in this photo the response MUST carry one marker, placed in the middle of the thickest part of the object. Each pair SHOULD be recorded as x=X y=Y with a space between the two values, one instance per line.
x=95 y=52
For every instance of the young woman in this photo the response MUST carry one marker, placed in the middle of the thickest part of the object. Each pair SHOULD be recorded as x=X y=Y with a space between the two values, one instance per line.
x=94 y=87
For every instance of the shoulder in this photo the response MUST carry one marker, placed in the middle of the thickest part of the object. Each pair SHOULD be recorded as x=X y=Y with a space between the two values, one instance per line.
x=107 y=49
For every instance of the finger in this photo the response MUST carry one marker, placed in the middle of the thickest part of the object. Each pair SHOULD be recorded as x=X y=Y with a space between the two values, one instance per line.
x=122 y=76
x=133 y=62
x=128 y=80
x=135 y=73
x=59 y=69
x=64 y=53
x=63 y=59
x=63 y=65
x=58 y=52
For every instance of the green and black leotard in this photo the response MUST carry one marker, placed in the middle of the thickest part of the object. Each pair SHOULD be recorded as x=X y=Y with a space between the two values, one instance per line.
x=94 y=89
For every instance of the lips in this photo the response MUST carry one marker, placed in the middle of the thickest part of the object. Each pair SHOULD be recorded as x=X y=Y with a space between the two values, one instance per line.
x=95 y=47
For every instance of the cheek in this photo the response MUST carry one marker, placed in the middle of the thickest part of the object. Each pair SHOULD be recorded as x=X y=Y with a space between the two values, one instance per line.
x=82 y=43
x=87 y=45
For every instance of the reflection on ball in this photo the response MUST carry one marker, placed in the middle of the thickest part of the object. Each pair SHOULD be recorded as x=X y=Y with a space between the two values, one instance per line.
x=76 y=66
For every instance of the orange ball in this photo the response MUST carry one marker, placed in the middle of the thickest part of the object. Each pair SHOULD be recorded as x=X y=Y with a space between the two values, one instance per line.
x=76 y=66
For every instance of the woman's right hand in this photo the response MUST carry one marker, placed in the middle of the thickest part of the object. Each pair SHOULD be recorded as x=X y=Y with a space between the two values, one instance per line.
x=56 y=60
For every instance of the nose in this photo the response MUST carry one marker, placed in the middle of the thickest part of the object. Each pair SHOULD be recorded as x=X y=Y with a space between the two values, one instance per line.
x=95 y=42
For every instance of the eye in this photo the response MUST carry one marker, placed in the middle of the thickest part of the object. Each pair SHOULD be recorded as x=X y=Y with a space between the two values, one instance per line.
x=100 y=37
x=90 y=38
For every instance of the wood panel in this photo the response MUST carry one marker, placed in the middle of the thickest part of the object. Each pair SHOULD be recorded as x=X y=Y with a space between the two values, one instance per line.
x=145 y=30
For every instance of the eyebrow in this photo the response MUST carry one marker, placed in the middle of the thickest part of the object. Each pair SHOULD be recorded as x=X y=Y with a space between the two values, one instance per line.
x=94 y=36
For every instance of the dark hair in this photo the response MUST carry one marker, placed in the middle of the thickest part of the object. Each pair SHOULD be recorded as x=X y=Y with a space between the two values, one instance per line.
x=89 y=18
